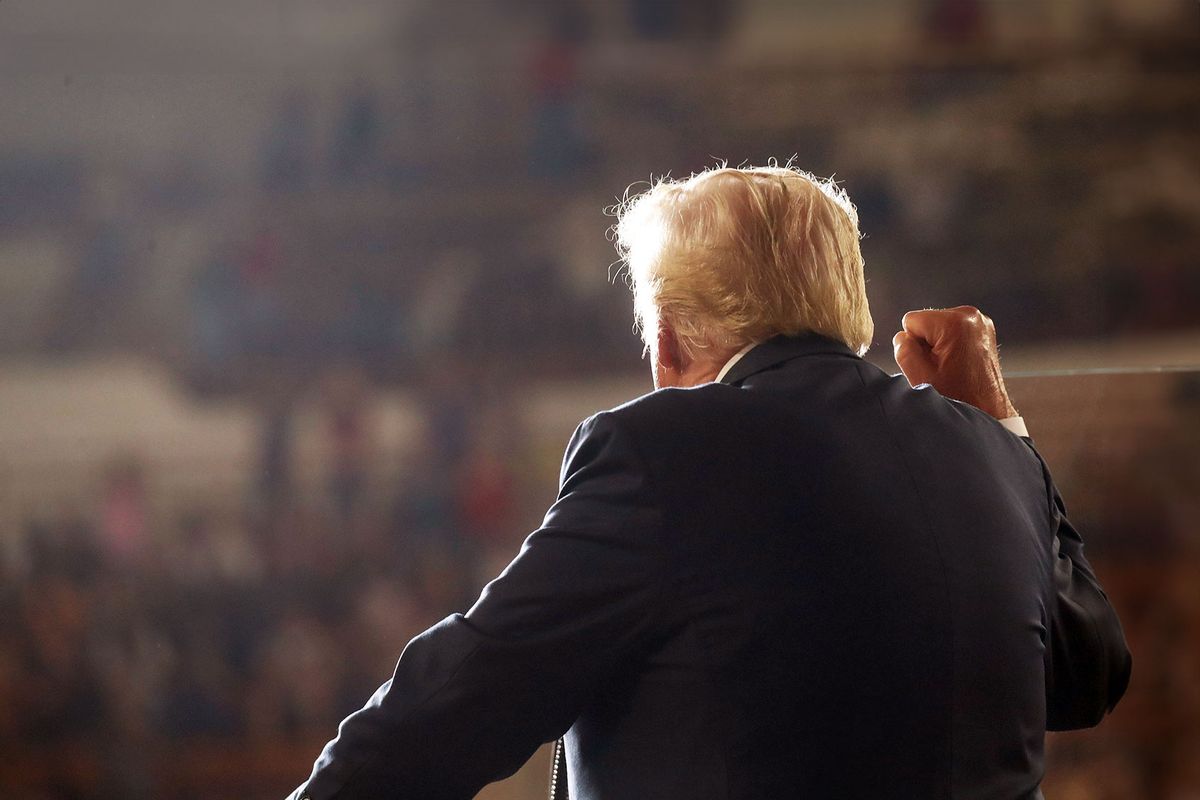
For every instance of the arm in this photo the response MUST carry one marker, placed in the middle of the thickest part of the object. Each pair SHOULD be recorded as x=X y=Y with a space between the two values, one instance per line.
x=474 y=696
x=1087 y=661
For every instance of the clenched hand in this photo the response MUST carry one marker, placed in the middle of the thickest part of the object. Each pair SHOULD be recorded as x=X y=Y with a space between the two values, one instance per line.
x=955 y=351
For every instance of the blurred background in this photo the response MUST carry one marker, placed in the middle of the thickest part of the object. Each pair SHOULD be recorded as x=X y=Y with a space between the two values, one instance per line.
x=300 y=301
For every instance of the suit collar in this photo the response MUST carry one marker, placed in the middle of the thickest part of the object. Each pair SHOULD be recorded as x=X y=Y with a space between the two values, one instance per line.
x=778 y=349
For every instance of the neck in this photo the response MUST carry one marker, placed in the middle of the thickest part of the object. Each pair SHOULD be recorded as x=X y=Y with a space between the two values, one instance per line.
x=702 y=369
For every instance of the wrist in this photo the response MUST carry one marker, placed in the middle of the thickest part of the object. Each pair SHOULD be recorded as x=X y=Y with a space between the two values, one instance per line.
x=1000 y=407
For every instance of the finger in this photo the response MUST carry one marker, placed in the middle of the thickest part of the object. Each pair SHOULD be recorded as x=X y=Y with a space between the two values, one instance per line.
x=941 y=328
x=929 y=325
x=914 y=358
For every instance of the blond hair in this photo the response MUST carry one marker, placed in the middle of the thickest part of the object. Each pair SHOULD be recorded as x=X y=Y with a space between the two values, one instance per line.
x=734 y=256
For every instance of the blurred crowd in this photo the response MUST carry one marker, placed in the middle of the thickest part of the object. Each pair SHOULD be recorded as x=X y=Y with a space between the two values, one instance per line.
x=1054 y=187
x=1131 y=479
x=129 y=632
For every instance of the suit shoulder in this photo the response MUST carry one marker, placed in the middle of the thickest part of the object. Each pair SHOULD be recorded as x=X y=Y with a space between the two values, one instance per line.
x=999 y=443
x=622 y=436
x=658 y=409
x=989 y=426
x=662 y=406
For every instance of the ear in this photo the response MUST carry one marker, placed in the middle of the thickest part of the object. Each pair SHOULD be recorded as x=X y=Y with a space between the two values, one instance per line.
x=668 y=361
x=668 y=353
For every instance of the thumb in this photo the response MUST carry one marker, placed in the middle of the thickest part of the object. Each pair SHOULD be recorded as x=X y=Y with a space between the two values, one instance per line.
x=914 y=358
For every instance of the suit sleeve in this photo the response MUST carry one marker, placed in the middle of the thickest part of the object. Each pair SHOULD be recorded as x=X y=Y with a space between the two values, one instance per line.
x=1087 y=661
x=473 y=697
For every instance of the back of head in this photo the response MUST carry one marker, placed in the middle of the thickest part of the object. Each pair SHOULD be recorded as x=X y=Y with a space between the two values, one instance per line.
x=733 y=256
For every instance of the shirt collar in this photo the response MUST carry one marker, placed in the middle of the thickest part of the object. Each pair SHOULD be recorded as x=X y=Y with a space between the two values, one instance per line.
x=778 y=349
x=736 y=357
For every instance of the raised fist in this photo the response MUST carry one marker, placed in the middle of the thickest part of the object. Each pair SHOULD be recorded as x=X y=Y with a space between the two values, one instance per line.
x=955 y=351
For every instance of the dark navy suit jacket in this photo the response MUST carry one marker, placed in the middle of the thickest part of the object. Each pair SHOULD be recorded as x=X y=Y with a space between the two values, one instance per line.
x=806 y=581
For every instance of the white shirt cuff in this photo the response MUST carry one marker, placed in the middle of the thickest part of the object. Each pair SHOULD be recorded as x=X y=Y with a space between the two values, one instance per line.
x=1016 y=425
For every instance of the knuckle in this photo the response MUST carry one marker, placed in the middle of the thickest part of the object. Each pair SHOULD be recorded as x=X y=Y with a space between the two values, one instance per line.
x=968 y=316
